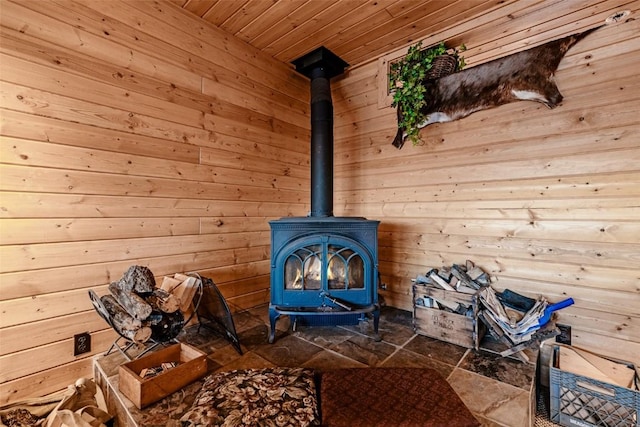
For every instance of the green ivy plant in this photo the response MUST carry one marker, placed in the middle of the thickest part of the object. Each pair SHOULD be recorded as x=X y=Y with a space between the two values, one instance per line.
x=407 y=83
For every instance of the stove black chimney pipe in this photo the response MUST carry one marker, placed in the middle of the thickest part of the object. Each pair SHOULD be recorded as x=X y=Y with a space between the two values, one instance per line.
x=320 y=66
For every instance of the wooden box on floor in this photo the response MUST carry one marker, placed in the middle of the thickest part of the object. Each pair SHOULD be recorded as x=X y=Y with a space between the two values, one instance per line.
x=446 y=326
x=192 y=365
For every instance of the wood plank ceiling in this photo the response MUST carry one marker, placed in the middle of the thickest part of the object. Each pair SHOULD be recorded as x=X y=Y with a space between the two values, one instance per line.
x=361 y=30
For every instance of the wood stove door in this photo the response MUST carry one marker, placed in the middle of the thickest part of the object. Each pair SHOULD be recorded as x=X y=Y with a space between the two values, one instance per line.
x=311 y=270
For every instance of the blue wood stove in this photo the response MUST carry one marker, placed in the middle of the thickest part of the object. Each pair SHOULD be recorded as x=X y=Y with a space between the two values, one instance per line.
x=324 y=269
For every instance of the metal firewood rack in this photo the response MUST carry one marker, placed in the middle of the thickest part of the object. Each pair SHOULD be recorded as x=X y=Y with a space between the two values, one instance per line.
x=209 y=306
x=124 y=345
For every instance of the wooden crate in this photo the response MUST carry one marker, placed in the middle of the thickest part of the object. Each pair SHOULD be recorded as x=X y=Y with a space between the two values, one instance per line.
x=446 y=326
x=142 y=392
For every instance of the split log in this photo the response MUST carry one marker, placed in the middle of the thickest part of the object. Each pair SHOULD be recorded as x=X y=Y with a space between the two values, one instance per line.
x=162 y=300
x=463 y=277
x=124 y=323
x=133 y=303
x=138 y=279
x=433 y=275
x=183 y=287
x=170 y=284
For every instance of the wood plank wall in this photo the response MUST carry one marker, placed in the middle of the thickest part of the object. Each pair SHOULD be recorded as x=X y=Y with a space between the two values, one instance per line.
x=547 y=201
x=132 y=133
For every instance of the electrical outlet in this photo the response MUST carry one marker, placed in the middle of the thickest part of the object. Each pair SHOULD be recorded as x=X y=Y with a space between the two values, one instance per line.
x=565 y=334
x=81 y=343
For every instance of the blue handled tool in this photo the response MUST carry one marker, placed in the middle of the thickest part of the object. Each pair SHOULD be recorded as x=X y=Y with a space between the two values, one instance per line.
x=544 y=319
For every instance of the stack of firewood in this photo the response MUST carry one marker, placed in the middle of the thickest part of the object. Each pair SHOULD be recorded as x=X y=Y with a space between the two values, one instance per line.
x=467 y=278
x=139 y=311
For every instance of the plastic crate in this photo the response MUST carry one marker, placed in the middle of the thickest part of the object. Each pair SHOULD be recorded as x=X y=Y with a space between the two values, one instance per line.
x=586 y=402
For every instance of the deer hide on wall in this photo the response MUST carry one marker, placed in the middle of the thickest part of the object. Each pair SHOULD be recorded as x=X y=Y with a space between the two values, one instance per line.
x=526 y=75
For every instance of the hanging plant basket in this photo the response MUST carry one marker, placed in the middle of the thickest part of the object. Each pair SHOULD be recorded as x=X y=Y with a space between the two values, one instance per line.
x=409 y=78
x=442 y=65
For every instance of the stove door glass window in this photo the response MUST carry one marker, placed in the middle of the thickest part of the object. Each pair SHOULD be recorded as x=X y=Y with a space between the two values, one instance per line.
x=339 y=267
x=303 y=269
x=345 y=268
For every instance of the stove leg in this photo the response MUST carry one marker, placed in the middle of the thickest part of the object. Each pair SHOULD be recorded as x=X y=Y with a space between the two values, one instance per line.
x=273 y=318
x=376 y=322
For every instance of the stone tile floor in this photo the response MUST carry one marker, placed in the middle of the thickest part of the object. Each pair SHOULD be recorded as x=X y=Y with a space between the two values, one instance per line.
x=498 y=391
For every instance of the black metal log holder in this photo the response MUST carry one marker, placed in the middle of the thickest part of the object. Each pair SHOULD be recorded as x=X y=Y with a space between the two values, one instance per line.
x=123 y=344
x=209 y=306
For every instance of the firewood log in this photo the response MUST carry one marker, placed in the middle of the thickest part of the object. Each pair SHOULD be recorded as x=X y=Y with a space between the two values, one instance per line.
x=186 y=290
x=124 y=323
x=163 y=301
x=138 y=279
x=133 y=303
